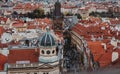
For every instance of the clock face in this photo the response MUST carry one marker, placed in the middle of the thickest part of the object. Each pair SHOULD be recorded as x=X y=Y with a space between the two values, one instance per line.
x=6 y=37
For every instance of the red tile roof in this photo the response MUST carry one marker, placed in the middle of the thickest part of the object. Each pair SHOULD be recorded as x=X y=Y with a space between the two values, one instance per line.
x=18 y=23
x=2 y=61
x=115 y=21
x=3 y=19
x=96 y=49
x=27 y=6
x=90 y=30
x=105 y=59
x=30 y=55
x=1 y=30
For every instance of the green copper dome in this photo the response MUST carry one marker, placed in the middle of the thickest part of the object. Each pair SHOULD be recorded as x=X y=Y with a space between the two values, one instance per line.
x=47 y=40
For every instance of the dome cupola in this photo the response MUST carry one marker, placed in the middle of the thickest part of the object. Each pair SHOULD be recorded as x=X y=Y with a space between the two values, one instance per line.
x=47 y=39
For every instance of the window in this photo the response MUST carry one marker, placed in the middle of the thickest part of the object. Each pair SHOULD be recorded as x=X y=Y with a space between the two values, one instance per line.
x=48 y=52
x=45 y=73
x=42 y=51
x=53 y=51
x=35 y=73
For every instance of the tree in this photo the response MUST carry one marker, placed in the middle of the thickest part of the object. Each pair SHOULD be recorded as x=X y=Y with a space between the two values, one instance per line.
x=15 y=13
x=48 y=15
x=37 y=13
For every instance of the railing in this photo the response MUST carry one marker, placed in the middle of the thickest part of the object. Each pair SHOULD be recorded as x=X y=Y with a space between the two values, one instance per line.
x=23 y=65
x=30 y=65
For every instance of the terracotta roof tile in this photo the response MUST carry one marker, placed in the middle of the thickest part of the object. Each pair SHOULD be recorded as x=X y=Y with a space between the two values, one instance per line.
x=105 y=59
x=30 y=55
x=2 y=61
x=1 y=30
x=96 y=48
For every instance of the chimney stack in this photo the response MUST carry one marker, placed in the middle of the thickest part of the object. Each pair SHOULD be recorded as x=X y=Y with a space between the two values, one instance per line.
x=104 y=46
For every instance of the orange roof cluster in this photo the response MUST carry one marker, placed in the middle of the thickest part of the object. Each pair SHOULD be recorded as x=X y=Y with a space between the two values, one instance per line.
x=84 y=8
x=102 y=55
x=40 y=23
x=114 y=21
x=105 y=59
x=96 y=49
x=18 y=24
x=104 y=5
x=67 y=6
x=90 y=29
x=27 y=6
x=43 y=21
x=30 y=55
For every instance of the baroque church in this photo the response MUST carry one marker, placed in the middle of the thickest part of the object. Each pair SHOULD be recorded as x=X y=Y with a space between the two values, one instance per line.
x=49 y=52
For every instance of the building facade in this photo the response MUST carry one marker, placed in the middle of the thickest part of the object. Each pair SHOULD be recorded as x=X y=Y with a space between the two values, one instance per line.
x=41 y=60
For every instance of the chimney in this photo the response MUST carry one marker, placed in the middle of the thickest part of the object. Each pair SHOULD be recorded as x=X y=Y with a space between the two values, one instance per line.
x=104 y=46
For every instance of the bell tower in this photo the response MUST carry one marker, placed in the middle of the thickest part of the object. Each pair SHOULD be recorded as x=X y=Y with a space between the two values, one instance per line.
x=57 y=17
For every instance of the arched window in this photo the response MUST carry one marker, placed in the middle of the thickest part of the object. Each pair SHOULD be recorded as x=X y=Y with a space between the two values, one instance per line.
x=48 y=52
x=53 y=51
x=42 y=51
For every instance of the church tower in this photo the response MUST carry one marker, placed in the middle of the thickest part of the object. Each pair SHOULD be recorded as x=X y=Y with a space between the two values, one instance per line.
x=57 y=17
x=49 y=54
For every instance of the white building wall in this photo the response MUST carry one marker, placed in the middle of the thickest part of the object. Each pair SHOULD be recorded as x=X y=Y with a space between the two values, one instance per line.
x=101 y=10
x=3 y=73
